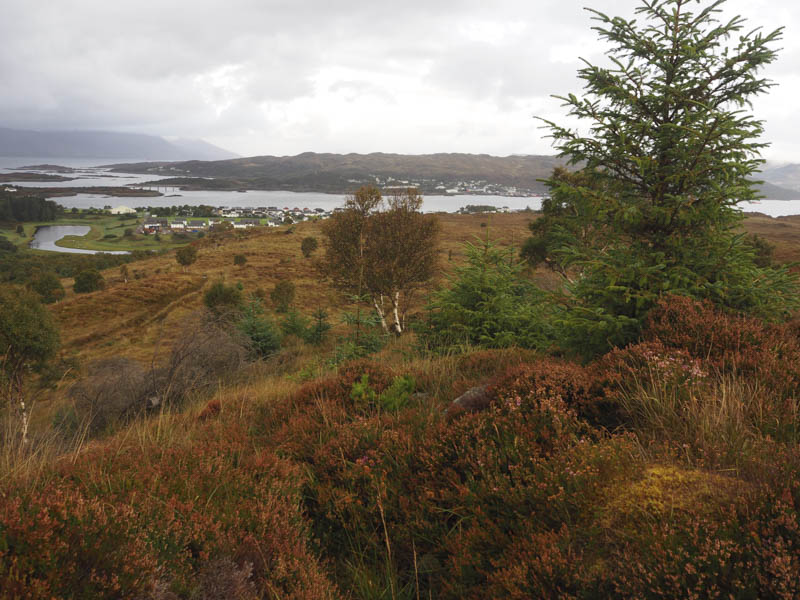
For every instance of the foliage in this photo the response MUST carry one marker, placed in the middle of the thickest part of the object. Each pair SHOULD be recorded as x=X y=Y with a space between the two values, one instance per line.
x=398 y=394
x=88 y=281
x=669 y=155
x=239 y=260
x=282 y=295
x=186 y=255
x=295 y=324
x=22 y=206
x=223 y=300
x=488 y=303
x=21 y=267
x=362 y=395
x=6 y=246
x=318 y=331
x=264 y=336
x=387 y=254
x=48 y=286
x=308 y=246
x=28 y=333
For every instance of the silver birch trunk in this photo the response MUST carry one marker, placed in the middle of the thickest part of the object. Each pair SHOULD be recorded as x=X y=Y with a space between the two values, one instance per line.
x=397 y=325
x=381 y=313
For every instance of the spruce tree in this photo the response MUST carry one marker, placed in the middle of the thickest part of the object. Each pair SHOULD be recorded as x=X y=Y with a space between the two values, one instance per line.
x=670 y=152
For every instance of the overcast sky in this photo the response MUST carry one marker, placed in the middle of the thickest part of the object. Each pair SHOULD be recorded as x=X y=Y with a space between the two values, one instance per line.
x=288 y=76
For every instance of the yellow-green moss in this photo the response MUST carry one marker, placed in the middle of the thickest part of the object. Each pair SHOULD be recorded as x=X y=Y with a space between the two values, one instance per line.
x=664 y=493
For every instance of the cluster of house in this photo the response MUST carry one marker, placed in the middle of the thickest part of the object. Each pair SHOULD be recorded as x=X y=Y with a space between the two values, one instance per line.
x=240 y=218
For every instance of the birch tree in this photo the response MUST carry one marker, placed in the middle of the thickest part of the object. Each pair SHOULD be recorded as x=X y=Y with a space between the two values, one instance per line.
x=401 y=255
x=379 y=252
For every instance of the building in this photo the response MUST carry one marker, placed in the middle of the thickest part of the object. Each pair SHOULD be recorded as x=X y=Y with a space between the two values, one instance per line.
x=123 y=210
x=152 y=225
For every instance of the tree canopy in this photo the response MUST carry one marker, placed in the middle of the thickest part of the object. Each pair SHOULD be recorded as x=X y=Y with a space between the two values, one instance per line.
x=383 y=251
x=28 y=333
x=669 y=153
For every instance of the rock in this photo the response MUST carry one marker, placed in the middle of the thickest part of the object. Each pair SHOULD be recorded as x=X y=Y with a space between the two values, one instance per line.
x=473 y=400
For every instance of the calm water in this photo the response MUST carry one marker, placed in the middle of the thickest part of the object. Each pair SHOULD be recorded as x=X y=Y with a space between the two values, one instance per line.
x=89 y=175
x=46 y=238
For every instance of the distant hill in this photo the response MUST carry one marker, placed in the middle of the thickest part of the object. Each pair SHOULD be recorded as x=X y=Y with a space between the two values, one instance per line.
x=345 y=172
x=342 y=173
x=787 y=176
x=775 y=192
x=104 y=144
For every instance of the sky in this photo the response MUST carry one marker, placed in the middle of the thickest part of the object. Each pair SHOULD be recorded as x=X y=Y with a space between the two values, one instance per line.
x=282 y=77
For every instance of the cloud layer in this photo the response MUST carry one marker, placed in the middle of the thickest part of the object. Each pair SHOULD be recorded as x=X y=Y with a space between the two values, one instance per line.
x=284 y=76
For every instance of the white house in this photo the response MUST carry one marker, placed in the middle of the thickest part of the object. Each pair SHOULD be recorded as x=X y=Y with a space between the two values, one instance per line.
x=123 y=210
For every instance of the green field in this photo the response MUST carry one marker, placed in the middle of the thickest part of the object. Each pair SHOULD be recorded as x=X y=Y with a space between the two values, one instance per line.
x=101 y=227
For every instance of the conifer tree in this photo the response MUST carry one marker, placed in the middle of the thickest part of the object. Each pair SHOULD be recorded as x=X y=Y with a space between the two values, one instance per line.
x=670 y=151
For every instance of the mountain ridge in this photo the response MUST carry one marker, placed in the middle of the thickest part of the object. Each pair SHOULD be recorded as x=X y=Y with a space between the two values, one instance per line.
x=104 y=144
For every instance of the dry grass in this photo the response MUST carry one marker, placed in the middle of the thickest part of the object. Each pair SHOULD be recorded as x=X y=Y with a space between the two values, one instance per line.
x=782 y=232
x=132 y=319
x=722 y=418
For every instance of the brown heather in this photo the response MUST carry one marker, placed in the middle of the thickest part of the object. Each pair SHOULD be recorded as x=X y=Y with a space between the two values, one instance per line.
x=668 y=469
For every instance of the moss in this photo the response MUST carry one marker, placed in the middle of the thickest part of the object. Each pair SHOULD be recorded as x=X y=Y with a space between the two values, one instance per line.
x=666 y=493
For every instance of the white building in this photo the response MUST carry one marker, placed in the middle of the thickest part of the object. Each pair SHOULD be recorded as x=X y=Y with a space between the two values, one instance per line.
x=123 y=210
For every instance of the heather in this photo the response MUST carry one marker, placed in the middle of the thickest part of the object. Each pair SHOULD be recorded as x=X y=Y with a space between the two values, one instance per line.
x=355 y=485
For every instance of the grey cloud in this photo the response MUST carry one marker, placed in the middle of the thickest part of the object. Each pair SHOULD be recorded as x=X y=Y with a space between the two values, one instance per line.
x=285 y=75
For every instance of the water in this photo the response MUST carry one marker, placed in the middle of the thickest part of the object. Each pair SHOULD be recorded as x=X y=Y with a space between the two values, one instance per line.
x=87 y=172
x=89 y=175
x=281 y=199
x=46 y=238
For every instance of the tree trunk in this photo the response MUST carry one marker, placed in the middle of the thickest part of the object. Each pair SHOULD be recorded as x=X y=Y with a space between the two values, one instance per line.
x=381 y=313
x=16 y=389
x=397 y=325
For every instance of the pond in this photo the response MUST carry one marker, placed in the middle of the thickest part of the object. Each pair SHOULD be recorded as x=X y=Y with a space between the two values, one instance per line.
x=46 y=238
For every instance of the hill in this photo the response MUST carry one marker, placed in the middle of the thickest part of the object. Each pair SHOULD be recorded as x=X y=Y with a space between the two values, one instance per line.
x=340 y=173
x=310 y=476
x=787 y=176
x=104 y=144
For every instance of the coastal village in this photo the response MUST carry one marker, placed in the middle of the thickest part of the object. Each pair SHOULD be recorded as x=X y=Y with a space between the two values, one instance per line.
x=238 y=217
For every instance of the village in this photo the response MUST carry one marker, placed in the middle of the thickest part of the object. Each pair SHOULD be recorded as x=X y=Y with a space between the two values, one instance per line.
x=238 y=217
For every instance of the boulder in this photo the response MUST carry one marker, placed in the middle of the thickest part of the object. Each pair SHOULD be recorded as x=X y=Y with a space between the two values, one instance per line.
x=473 y=400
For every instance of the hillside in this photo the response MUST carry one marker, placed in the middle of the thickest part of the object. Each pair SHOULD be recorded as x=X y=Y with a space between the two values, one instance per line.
x=310 y=475
x=104 y=144
x=787 y=176
x=340 y=173
x=337 y=173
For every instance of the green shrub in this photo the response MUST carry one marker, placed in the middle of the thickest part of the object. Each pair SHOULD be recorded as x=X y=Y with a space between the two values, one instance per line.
x=223 y=300
x=88 y=281
x=282 y=295
x=318 y=331
x=362 y=394
x=48 y=286
x=308 y=246
x=295 y=324
x=264 y=336
x=488 y=303
x=397 y=395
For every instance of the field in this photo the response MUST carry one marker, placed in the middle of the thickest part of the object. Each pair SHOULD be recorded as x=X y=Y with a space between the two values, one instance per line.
x=107 y=234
